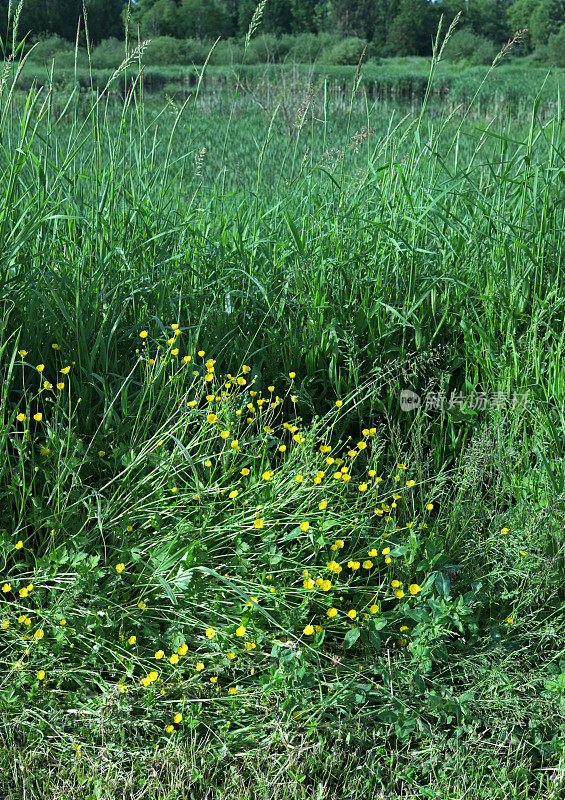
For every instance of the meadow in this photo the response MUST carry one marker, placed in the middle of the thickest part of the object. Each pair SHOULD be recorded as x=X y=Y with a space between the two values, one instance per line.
x=282 y=477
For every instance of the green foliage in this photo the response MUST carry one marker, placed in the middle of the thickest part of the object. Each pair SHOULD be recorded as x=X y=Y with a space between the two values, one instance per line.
x=325 y=256
x=465 y=45
x=556 y=47
x=348 y=51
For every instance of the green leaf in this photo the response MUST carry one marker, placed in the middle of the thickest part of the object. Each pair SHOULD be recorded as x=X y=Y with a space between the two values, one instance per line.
x=350 y=638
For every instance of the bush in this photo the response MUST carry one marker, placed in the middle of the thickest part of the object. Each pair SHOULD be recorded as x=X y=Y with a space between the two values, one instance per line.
x=49 y=47
x=267 y=48
x=465 y=45
x=348 y=51
x=166 y=50
x=556 y=48
x=109 y=54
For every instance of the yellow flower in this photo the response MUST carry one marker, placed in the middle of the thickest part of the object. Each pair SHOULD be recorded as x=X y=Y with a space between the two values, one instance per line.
x=141 y=605
x=132 y=640
x=174 y=659
x=271 y=389
x=414 y=588
x=40 y=367
x=170 y=728
x=292 y=374
x=120 y=568
x=374 y=609
x=63 y=622
x=232 y=690
x=144 y=334
x=175 y=351
x=361 y=445
x=299 y=478
x=367 y=564
x=308 y=583
x=509 y=620
x=402 y=466
x=4 y=624
x=23 y=592
x=339 y=403
x=363 y=487
x=371 y=473
x=323 y=505
x=340 y=543
x=7 y=587
x=504 y=531
x=38 y=635
x=101 y=453
x=326 y=585
x=224 y=434
x=38 y=417
x=235 y=444
x=22 y=353
x=47 y=385
x=410 y=483
x=304 y=526
x=309 y=630
x=21 y=417
x=65 y=370
x=182 y=650
x=199 y=666
x=250 y=645
x=233 y=494
x=231 y=656
x=385 y=551
x=388 y=560
x=208 y=463
x=267 y=476
x=211 y=418
x=210 y=633
x=258 y=524
x=399 y=594
x=240 y=631
x=430 y=506
x=352 y=613
x=41 y=675
x=245 y=471
x=177 y=718
x=396 y=584
x=159 y=654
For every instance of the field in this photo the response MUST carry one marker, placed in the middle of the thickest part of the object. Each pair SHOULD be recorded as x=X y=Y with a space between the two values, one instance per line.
x=282 y=477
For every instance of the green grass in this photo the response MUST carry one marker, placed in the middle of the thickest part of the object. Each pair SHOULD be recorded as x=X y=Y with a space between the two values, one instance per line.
x=336 y=249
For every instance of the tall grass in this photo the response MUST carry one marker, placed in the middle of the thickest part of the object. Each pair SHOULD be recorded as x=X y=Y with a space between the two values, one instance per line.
x=315 y=264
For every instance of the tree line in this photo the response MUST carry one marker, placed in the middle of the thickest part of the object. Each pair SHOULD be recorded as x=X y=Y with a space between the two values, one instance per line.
x=395 y=27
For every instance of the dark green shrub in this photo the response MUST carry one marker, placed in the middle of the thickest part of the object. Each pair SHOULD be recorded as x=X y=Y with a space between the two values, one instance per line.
x=346 y=52
x=109 y=54
x=556 y=48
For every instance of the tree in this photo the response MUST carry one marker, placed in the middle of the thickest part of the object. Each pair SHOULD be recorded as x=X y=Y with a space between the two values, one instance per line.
x=203 y=19
x=414 y=28
x=161 y=19
x=518 y=17
x=63 y=17
x=355 y=17
x=547 y=18
x=105 y=19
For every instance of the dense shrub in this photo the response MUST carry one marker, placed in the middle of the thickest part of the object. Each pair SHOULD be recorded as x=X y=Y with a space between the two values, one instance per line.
x=556 y=48
x=348 y=51
x=48 y=47
x=109 y=54
x=465 y=45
